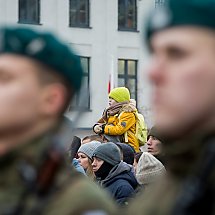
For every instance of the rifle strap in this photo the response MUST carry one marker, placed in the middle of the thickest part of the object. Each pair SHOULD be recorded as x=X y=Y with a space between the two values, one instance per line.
x=41 y=181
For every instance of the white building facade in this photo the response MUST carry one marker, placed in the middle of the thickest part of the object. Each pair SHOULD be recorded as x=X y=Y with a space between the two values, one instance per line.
x=106 y=34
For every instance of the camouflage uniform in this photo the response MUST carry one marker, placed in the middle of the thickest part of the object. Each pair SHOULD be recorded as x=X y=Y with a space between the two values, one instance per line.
x=34 y=175
x=189 y=143
x=189 y=187
x=69 y=193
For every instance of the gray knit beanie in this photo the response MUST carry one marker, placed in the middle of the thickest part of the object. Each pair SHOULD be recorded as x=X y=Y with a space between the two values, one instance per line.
x=108 y=152
x=149 y=169
x=89 y=148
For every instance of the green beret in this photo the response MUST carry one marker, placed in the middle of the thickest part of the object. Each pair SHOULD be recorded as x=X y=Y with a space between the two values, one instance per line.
x=180 y=13
x=45 y=48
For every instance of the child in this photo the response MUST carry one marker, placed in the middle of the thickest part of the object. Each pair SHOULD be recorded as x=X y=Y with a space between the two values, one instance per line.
x=119 y=119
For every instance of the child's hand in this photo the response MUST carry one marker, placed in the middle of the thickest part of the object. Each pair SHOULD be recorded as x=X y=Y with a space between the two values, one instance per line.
x=98 y=128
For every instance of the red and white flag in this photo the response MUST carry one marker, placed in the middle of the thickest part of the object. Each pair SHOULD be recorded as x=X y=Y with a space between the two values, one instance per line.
x=111 y=76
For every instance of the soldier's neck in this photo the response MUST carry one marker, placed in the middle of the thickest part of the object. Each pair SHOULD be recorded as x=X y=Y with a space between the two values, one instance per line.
x=14 y=138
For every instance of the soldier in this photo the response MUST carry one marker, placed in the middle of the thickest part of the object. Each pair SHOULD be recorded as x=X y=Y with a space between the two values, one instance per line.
x=181 y=37
x=38 y=77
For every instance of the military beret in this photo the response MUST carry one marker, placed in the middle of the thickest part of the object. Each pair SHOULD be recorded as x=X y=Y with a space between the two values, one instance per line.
x=45 y=48
x=182 y=12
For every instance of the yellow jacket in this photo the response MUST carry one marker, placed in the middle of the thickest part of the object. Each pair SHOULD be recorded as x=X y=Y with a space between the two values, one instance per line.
x=124 y=123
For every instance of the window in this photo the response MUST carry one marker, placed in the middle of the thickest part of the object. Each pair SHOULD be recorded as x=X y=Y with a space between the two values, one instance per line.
x=159 y=3
x=79 y=13
x=127 y=15
x=127 y=76
x=29 y=11
x=82 y=99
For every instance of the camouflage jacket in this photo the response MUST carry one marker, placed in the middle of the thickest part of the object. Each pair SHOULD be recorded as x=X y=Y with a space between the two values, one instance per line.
x=65 y=192
x=189 y=186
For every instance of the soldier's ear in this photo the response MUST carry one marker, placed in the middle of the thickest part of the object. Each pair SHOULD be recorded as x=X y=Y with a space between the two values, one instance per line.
x=53 y=99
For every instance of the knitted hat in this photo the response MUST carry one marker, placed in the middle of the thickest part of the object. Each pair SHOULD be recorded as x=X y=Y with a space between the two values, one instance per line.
x=45 y=48
x=181 y=13
x=154 y=133
x=89 y=148
x=128 y=153
x=108 y=152
x=120 y=94
x=149 y=169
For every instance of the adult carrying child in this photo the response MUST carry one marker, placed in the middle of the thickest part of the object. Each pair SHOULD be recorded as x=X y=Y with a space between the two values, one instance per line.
x=118 y=122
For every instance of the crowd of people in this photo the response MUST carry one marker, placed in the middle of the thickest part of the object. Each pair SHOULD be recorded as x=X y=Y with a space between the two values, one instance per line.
x=116 y=165
x=111 y=172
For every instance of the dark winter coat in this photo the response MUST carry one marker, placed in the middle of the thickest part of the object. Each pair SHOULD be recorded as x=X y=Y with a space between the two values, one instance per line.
x=121 y=183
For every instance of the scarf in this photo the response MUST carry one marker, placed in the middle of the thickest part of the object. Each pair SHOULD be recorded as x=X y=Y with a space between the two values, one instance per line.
x=103 y=171
x=112 y=110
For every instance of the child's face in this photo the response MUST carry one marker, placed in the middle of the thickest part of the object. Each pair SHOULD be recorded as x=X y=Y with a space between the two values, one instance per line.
x=111 y=102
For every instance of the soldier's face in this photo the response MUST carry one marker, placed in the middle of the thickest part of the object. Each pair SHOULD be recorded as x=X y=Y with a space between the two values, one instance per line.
x=183 y=76
x=20 y=93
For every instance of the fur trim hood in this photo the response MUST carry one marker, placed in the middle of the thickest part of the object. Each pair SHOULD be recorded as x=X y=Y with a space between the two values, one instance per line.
x=128 y=108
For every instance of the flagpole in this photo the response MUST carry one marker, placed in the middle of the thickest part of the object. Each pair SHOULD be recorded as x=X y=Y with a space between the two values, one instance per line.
x=111 y=75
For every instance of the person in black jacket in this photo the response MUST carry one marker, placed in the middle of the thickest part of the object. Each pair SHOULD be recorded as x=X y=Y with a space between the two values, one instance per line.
x=113 y=174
